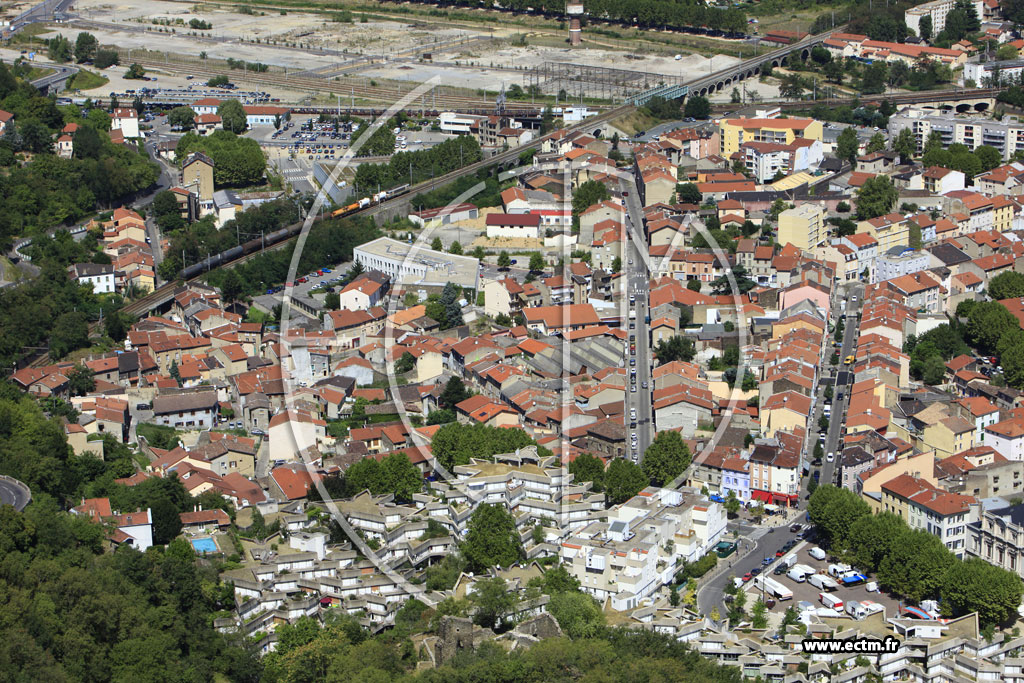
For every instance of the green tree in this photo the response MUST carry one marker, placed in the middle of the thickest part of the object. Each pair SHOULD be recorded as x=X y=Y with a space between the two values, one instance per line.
x=401 y=477
x=437 y=244
x=70 y=332
x=876 y=143
x=974 y=585
x=697 y=107
x=759 y=614
x=623 y=480
x=834 y=71
x=106 y=58
x=1007 y=285
x=675 y=348
x=587 y=467
x=905 y=145
x=872 y=538
x=85 y=47
x=536 y=262
x=182 y=117
x=405 y=363
x=732 y=503
x=847 y=145
x=578 y=614
x=876 y=197
x=924 y=27
x=916 y=565
x=491 y=539
x=617 y=264
x=987 y=323
x=232 y=116
x=834 y=511
x=744 y=284
x=80 y=380
x=231 y=286
x=666 y=458
x=988 y=156
x=493 y=600
x=237 y=161
x=588 y=194
x=687 y=193
x=504 y=260
x=135 y=72
x=455 y=248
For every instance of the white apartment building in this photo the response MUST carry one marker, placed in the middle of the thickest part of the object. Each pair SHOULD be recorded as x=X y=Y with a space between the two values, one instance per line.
x=451 y=122
x=898 y=261
x=937 y=511
x=632 y=554
x=1007 y=135
x=937 y=10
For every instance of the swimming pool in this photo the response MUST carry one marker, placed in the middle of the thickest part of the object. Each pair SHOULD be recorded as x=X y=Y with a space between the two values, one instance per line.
x=204 y=545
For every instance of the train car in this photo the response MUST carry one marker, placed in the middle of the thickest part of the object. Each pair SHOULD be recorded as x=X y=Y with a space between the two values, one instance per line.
x=231 y=254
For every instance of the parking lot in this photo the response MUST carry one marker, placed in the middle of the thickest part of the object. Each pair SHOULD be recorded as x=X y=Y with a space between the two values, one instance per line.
x=805 y=592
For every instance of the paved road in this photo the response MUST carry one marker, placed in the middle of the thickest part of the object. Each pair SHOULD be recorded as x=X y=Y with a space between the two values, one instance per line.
x=844 y=380
x=14 y=493
x=764 y=543
x=637 y=284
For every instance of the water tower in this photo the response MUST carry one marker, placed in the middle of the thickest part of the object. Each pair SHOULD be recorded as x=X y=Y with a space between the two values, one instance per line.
x=575 y=12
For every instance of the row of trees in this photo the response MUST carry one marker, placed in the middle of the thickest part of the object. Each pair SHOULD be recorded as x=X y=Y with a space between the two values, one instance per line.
x=455 y=443
x=665 y=459
x=913 y=564
x=238 y=161
x=197 y=240
x=415 y=167
x=328 y=242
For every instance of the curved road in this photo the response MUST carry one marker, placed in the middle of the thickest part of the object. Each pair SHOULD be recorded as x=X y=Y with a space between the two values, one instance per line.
x=13 y=492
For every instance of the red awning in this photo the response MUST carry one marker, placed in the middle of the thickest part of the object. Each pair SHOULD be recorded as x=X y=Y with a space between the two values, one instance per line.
x=763 y=496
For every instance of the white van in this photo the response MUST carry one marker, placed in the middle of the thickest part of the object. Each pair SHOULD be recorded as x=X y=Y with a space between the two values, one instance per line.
x=797 y=574
x=817 y=553
x=831 y=601
x=871 y=587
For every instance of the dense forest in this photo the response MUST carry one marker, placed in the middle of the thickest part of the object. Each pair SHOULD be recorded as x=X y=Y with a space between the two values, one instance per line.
x=74 y=613
x=47 y=191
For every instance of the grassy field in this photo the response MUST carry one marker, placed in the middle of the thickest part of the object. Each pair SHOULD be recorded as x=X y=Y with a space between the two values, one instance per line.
x=87 y=80
x=634 y=122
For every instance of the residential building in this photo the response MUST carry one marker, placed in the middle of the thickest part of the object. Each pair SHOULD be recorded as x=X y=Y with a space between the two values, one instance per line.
x=803 y=226
x=890 y=230
x=100 y=275
x=900 y=260
x=513 y=225
x=937 y=11
x=924 y=506
x=1007 y=135
x=186 y=410
x=197 y=176
x=735 y=132
x=998 y=537
x=126 y=120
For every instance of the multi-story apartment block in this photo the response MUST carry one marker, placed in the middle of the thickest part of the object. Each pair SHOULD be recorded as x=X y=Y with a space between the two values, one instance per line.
x=736 y=132
x=1007 y=135
x=998 y=537
x=937 y=10
x=632 y=554
x=924 y=506
x=803 y=226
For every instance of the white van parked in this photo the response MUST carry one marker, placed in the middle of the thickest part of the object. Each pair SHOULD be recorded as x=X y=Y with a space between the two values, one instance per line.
x=817 y=553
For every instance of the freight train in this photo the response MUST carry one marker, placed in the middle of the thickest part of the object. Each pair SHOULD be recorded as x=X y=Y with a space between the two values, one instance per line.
x=272 y=238
x=365 y=202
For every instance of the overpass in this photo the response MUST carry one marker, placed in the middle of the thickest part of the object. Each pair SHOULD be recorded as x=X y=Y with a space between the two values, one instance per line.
x=57 y=81
x=752 y=67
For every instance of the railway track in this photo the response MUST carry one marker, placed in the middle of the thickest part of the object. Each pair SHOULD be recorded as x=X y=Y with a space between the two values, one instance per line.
x=161 y=293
